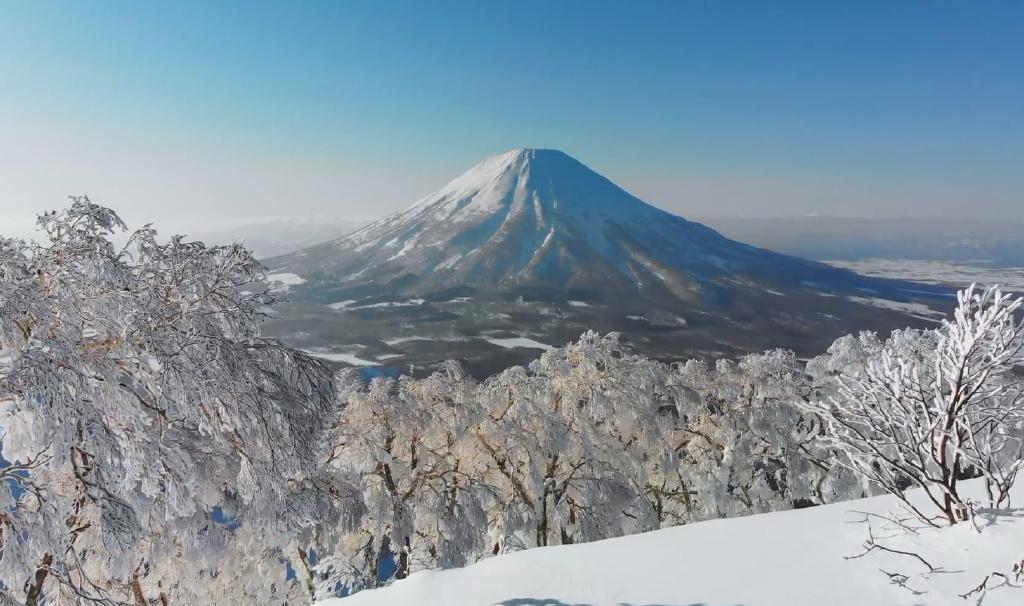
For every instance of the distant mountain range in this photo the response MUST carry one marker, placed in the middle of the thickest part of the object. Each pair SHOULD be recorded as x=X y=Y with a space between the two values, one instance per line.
x=271 y=237
x=530 y=247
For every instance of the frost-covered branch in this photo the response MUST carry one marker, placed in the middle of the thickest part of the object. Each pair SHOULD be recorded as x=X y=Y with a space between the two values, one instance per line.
x=137 y=395
x=929 y=409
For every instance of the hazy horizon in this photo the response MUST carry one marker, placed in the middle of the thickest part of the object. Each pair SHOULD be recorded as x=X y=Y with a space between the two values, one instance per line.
x=195 y=116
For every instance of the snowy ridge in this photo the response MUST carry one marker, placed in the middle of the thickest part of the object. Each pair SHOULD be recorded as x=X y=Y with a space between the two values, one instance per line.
x=790 y=558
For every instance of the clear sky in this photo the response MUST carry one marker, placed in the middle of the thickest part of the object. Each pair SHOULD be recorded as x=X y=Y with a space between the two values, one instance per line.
x=192 y=112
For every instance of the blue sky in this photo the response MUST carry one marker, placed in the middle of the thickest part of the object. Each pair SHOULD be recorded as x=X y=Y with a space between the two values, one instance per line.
x=212 y=111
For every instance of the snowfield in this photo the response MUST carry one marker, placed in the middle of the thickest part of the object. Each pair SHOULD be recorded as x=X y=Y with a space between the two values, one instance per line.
x=791 y=558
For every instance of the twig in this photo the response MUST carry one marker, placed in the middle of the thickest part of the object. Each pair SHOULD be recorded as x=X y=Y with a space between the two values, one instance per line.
x=870 y=545
x=888 y=518
x=900 y=579
x=982 y=588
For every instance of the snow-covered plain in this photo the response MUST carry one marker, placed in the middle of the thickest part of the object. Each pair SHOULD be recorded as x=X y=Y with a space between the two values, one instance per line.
x=938 y=272
x=791 y=558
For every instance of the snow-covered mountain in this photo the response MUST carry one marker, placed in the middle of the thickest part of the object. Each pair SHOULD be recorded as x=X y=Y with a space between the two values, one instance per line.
x=530 y=248
x=789 y=558
x=537 y=218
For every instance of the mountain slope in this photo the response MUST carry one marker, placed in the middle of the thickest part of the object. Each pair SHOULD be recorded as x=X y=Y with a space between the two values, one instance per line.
x=533 y=245
x=791 y=558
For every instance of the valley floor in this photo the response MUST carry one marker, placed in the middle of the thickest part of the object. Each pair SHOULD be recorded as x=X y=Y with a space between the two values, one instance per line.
x=792 y=558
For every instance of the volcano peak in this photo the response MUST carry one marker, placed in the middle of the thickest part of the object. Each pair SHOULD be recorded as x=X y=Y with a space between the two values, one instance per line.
x=539 y=218
x=536 y=224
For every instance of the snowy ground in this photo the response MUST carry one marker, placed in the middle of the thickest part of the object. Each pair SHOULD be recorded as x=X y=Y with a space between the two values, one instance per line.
x=793 y=558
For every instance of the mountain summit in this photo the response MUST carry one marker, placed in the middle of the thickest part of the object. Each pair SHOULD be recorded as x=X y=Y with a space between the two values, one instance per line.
x=536 y=225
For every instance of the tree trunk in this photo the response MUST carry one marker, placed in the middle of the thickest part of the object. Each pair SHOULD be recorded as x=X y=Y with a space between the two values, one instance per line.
x=140 y=599
x=947 y=509
x=542 y=527
x=402 y=570
x=36 y=589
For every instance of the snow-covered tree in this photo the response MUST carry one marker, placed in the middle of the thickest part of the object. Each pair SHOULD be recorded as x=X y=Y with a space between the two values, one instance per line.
x=408 y=446
x=589 y=442
x=567 y=441
x=136 y=397
x=746 y=446
x=928 y=409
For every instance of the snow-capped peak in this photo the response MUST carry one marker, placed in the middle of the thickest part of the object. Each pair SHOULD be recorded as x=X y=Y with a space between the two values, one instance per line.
x=488 y=182
x=538 y=218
